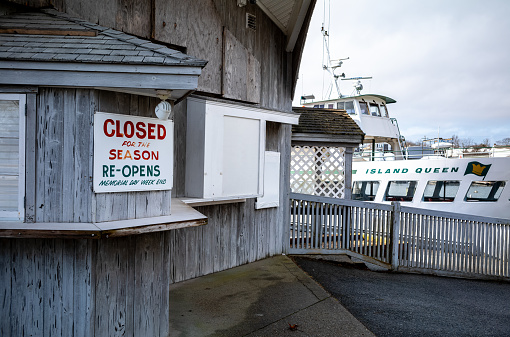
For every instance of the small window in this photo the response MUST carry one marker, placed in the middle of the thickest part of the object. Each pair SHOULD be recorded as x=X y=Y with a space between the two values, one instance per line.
x=384 y=110
x=12 y=157
x=442 y=191
x=485 y=190
x=340 y=105
x=374 y=110
x=364 y=108
x=349 y=107
x=318 y=106
x=400 y=191
x=364 y=190
x=331 y=106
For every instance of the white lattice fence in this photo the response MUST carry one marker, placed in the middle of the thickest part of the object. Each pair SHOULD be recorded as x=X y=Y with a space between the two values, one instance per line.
x=318 y=171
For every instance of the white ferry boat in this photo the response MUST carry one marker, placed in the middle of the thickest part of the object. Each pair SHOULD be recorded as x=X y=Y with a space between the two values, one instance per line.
x=438 y=178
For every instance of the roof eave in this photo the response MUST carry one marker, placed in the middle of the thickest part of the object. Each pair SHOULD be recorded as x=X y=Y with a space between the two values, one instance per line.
x=326 y=139
x=293 y=27
x=143 y=79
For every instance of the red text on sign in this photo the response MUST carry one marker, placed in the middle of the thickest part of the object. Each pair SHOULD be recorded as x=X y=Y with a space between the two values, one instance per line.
x=127 y=129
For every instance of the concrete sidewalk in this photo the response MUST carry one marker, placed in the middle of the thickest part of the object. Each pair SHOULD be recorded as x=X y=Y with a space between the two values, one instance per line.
x=258 y=299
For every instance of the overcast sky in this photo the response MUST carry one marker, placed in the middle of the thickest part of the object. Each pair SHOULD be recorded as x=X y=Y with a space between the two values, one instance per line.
x=446 y=63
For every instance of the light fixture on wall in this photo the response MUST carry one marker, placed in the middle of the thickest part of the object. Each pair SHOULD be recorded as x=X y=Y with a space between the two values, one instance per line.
x=164 y=110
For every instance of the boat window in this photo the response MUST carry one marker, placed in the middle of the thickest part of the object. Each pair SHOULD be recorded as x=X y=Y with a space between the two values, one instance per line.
x=347 y=106
x=384 y=110
x=331 y=106
x=444 y=191
x=364 y=108
x=374 y=110
x=485 y=190
x=364 y=190
x=318 y=106
x=400 y=191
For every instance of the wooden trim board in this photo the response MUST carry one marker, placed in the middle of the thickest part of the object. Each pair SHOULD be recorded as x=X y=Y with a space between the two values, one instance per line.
x=182 y=216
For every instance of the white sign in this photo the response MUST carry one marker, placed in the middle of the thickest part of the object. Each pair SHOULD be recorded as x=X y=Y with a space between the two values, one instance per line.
x=132 y=153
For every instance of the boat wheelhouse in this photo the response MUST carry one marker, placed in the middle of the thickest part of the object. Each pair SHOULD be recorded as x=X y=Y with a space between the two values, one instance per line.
x=370 y=112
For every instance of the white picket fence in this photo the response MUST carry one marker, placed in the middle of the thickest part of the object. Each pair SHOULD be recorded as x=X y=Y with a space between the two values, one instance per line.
x=401 y=238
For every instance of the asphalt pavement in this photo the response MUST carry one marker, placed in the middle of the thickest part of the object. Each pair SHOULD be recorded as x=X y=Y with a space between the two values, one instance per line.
x=396 y=304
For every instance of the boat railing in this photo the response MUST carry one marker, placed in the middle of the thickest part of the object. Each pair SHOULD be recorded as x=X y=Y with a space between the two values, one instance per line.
x=429 y=153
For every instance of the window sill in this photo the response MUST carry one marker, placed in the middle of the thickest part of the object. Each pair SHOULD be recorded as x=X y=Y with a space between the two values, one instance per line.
x=182 y=216
x=194 y=202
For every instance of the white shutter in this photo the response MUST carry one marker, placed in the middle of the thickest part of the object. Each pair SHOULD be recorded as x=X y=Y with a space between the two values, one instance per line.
x=12 y=156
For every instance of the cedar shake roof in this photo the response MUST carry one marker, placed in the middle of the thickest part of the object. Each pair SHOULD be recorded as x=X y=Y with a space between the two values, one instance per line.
x=51 y=36
x=327 y=122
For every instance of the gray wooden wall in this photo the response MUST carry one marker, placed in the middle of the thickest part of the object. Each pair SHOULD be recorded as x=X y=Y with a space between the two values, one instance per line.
x=118 y=286
x=62 y=179
x=69 y=287
x=202 y=29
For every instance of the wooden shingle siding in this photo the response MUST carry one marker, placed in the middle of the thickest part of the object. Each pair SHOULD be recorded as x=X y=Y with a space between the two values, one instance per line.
x=196 y=26
x=64 y=160
x=58 y=287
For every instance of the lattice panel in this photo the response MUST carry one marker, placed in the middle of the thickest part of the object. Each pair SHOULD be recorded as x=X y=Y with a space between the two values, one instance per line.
x=318 y=171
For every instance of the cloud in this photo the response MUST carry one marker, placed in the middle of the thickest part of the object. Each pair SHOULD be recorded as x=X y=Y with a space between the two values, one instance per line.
x=444 y=62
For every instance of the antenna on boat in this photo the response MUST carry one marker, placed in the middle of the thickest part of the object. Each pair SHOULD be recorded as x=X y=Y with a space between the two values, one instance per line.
x=330 y=68
x=328 y=64
x=332 y=65
x=358 y=86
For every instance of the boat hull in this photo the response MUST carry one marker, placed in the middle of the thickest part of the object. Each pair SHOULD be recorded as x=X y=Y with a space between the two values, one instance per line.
x=462 y=171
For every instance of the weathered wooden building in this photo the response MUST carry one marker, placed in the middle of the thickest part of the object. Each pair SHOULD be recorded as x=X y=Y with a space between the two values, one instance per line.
x=92 y=231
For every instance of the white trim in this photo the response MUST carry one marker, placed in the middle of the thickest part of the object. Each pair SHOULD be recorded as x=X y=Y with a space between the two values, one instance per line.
x=20 y=213
x=271 y=181
x=21 y=165
x=262 y=156
x=194 y=202
x=297 y=25
x=252 y=112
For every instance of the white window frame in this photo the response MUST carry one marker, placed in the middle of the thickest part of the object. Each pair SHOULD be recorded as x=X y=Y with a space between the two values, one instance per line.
x=18 y=215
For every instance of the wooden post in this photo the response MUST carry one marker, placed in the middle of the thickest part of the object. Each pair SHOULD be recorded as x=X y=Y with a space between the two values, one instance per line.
x=348 y=173
x=395 y=230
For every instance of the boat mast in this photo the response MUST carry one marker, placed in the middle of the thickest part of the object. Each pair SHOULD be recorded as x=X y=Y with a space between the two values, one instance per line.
x=328 y=64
